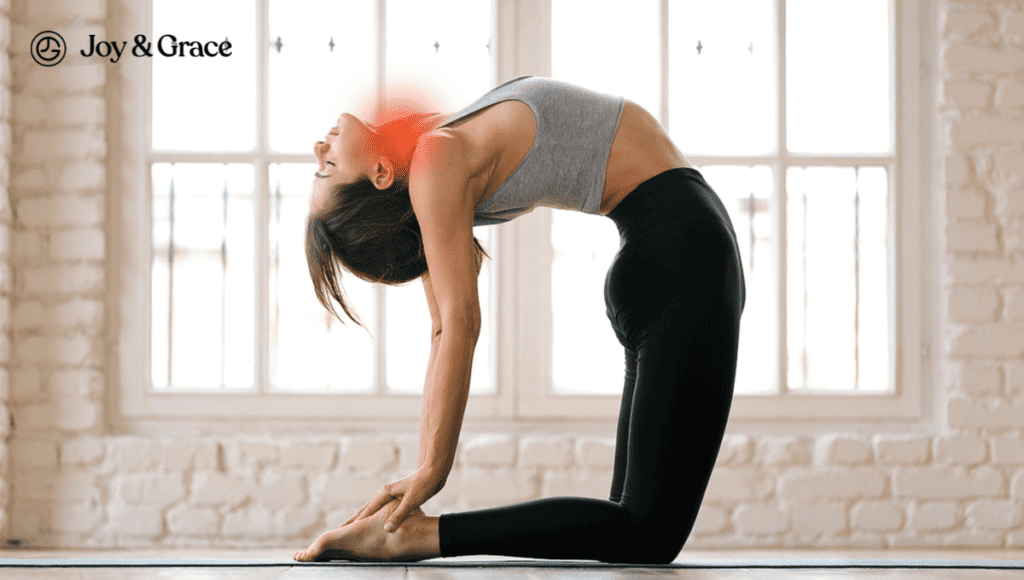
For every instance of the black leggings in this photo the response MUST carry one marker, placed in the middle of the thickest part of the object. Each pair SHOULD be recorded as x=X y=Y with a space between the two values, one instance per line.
x=674 y=293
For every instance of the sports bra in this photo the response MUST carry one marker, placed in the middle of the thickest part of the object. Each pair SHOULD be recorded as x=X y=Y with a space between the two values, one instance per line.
x=565 y=165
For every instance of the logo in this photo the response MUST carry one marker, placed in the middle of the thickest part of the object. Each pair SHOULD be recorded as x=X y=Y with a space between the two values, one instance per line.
x=48 y=48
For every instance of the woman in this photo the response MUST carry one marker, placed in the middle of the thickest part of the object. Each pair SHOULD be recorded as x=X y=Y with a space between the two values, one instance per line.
x=392 y=209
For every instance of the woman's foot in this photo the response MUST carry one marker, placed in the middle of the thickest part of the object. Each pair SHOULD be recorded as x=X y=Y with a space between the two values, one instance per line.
x=365 y=540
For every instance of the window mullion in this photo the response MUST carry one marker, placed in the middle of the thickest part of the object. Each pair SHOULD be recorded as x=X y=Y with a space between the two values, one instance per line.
x=781 y=167
x=262 y=362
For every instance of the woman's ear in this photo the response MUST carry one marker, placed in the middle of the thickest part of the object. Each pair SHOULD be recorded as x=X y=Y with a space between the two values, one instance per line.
x=383 y=173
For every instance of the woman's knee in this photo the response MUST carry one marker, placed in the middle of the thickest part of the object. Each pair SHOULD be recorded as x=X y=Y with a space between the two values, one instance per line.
x=653 y=543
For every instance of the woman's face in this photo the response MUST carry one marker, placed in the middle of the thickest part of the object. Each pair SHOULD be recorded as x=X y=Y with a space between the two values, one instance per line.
x=343 y=156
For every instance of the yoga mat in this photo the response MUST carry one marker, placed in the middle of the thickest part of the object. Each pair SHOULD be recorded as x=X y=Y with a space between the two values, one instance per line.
x=524 y=563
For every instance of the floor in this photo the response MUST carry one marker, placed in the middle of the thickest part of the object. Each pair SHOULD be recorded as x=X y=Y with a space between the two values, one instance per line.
x=286 y=572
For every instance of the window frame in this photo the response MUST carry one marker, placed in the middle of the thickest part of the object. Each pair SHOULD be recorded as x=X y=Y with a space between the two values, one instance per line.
x=909 y=177
x=520 y=32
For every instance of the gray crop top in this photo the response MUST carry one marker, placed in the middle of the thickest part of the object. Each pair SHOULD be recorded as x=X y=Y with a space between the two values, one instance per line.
x=564 y=167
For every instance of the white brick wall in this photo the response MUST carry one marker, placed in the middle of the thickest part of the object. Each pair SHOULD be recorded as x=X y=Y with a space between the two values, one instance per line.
x=68 y=479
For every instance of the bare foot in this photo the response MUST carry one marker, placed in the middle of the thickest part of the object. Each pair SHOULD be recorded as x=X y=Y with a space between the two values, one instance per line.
x=366 y=540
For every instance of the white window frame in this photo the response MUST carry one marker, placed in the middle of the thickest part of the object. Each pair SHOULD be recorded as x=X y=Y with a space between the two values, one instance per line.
x=520 y=277
x=910 y=178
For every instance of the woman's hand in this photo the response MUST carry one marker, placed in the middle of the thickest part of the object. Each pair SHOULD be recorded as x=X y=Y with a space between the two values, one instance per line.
x=413 y=491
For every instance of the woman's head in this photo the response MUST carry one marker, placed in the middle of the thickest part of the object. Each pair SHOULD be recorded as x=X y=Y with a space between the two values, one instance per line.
x=361 y=218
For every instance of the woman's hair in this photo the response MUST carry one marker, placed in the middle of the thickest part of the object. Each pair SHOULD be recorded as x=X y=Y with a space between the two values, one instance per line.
x=373 y=233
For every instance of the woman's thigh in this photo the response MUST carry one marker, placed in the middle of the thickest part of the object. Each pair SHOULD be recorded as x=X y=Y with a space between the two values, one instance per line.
x=675 y=299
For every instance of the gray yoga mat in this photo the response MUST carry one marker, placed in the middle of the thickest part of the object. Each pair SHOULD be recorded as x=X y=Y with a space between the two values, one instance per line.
x=523 y=563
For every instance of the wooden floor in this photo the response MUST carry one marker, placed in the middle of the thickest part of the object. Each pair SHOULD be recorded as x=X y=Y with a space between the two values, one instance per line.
x=511 y=573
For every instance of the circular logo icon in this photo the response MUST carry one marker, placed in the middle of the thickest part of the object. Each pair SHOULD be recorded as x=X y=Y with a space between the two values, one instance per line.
x=48 y=48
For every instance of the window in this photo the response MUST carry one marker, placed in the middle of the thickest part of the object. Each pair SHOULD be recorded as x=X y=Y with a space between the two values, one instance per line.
x=219 y=316
x=790 y=114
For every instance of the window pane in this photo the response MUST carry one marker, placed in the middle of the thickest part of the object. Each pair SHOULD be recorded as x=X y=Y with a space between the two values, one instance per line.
x=723 y=77
x=202 y=299
x=309 y=349
x=408 y=331
x=586 y=357
x=838 y=73
x=589 y=38
x=311 y=82
x=837 y=299
x=746 y=193
x=442 y=46
x=205 y=104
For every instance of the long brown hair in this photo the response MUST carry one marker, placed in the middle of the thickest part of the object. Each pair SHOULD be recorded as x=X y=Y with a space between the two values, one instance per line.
x=373 y=233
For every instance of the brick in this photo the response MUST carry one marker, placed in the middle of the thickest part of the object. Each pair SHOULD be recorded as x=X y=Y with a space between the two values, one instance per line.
x=130 y=454
x=298 y=522
x=1009 y=94
x=74 y=78
x=973 y=378
x=32 y=453
x=965 y=413
x=497 y=486
x=135 y=520
x=735 y=450
x=843 y=449
x=876 y=516
x=163 y=489
x=73 y=350
x=76 y=415
x=932 y=516
x=1008 y=449
x=278 y=490
x=974 y=304
x=26 y=245
x=759 y=519
x=42 y=146
x=967 y=236
x=783 y=450
x=77 y=244
x=212 y=488
x=489 y=450
x=339 y=488
x=408 y=451
x=935 y=483
x=26 y=383
x=595 y=451
x=984 y=270
x=989 y=514
x=742 y=484
x=67 y=10
x=77 y=111
x=545 y=452
x=309 y=454
x=369 y=453
x=818 y=518
x=61 y=210
x=966 y=94
x=247 y=454
x=70 y=279
x=799 y=485
x=1008 y=164
x=710 y=520
x=960 y=449
x=902 y=449
x=75 y=518
x=989 y=341
x=967 y=23
x=1013 y=24
x=185 y=520
x=962 y=57
x=958 y=171
x=176 y=454
x=1015 y=378
x=252 y=522
x=1017 y=485
x=968 y=204
x=1015 y=305
x=85 y=450
x=84 y=383
x=576 y=482
x=35 y=484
